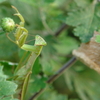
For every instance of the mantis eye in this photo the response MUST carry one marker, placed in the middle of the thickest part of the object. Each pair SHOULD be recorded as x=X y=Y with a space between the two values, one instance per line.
x=7 y=24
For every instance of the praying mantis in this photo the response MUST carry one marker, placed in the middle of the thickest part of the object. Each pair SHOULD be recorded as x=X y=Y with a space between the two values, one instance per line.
x=22 y=72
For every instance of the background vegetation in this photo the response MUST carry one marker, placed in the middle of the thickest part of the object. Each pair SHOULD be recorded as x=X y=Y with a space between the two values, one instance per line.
x=78 y=19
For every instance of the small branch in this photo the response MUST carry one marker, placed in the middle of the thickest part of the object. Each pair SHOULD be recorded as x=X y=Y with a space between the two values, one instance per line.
x=55 y=76
x=64 y=26
x=61 y=70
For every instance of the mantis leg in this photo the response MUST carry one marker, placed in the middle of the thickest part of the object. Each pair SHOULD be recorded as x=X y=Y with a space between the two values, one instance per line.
x=36 y=48
x=20 y=36
x=21 y=41
x=7 y=34
x=20 y=31
x=20 y=16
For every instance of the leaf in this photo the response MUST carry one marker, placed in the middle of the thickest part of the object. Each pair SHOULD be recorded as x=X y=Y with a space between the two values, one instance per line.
x=65 y=45
x=37 y=68
x=2 y=1
x=7 y=88
x=47 y=52
x=8 y=49
x=2 y=33
x=83 y=81
x=83 y=3
x=49 y=48
x=8 y=67
x=98 y=38
x=8 y=98
x=53 y=95
x=49 y=1
x=83 y=20
x=98 y=10
x=37 y=83
x=2 y=76
x=60 y=17
x=46 y=67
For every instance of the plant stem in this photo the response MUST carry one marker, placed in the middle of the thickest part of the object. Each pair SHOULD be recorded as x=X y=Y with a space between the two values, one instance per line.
x=64 y=26
x=61 y=70
x=55 y=76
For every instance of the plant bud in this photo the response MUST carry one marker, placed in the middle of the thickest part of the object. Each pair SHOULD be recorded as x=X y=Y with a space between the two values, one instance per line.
x=7 y=24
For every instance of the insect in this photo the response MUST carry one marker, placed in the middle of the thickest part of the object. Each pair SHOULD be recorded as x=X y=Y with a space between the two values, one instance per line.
x=21 y=33
x=22 y=71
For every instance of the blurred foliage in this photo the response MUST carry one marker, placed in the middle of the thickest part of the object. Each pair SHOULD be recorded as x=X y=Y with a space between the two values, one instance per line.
x=7 y=88
x=53 y=95
x=44 y=17
x=98 y=38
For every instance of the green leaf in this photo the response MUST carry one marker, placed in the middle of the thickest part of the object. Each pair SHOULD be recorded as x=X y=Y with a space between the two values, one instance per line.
x=2 y=33
x=8 y=49
x=2 y=76
x=46 y=66
x=47 y=52
x=49 y=1
x=83 y=33
x=37 y=68
x=83 y=3
x=8 y=98
x=38 y=83
x=98 y=38
x=53 y=95
x=83 y=81
x=7 y=88
x=65 y=45
x=2 y=1
x=83 y=20
x=8 y=67
x=49 y=48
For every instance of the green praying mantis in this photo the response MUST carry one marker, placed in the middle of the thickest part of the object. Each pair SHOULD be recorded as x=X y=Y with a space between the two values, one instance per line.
x=21 y=34
x=22 y=72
